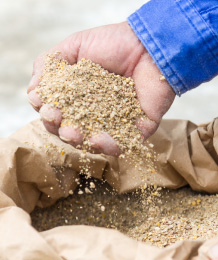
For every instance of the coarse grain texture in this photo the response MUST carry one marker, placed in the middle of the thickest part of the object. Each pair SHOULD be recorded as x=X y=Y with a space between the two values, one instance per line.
x=160 y=217
x=95 y=101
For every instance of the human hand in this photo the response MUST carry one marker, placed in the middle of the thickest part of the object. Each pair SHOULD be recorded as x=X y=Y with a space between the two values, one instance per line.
x=117 y=49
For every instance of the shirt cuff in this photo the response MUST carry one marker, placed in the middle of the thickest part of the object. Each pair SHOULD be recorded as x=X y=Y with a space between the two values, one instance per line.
x=180 y=41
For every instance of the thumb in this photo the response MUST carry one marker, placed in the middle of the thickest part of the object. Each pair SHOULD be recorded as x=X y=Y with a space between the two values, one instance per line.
x=154 y=94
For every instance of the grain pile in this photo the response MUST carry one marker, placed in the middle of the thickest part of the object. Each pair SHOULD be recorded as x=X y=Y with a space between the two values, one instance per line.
x=160 y=217
x=94 y=100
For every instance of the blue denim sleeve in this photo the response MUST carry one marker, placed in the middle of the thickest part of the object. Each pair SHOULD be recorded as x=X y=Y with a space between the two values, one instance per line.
x=182 y=38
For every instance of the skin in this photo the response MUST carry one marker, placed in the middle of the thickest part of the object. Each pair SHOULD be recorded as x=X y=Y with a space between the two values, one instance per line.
x=117 y=49
x=213 y=252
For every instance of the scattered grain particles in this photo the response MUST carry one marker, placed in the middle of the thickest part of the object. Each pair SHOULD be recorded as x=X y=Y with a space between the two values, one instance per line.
x=173 y=215
x=94 y=100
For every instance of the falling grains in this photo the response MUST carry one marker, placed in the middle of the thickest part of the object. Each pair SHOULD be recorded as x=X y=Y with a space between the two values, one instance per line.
x=171 y=217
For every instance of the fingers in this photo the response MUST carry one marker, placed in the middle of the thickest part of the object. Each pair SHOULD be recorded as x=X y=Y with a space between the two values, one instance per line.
x=51 y=128
x=155 y=96
x=213 y=252
x=51 y=118
x=104 y=143
x=71 y=135
x=147 y=127
x=101 y=143
x=51 y=114
x=34 y=100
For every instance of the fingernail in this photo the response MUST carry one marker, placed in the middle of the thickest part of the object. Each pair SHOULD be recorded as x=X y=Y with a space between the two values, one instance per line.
x=47 y=119
x=31 y=102
x=64 y=139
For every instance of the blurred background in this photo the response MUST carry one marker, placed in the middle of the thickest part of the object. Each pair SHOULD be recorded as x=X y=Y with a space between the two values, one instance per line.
x=30 y=27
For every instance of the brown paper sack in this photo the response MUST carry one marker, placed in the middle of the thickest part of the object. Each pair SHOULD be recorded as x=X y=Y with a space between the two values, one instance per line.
x=187 y=154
